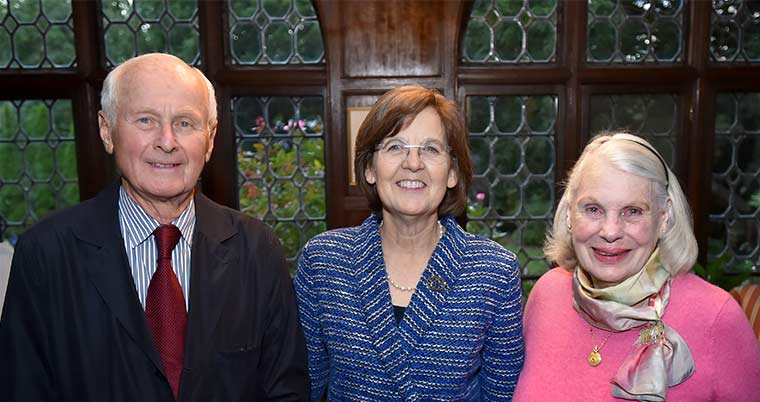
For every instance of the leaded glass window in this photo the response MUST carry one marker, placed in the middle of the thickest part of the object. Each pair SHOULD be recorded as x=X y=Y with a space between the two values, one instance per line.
x=36 y=34
x=134 y=27
x=38 y=171
x=512 y=198
x=735 y=31
x=735 y=202
x=511 y=31
x=281 y=166
x=274 y=32
x=655 y=117
x=635 y=31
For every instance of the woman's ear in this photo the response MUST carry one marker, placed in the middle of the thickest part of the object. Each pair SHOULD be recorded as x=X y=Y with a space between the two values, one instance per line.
x=453 y=178
x=369 y=174
x=665 y=217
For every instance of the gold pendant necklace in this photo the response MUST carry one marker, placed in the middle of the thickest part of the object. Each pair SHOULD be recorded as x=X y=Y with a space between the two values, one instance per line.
x=595 y=357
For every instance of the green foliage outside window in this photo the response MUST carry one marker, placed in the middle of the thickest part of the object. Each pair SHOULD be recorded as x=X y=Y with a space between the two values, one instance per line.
x=282 y=167
x=36 y=34
x=274 y=32
x=134 y=27
x=38 y=172
x=512 y=195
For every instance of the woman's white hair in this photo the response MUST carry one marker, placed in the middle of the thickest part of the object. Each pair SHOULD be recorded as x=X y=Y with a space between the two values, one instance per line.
x=634 y=155
x=109 y=96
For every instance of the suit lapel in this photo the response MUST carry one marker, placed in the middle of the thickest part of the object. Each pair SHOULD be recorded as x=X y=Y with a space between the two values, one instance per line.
x=108 y=269
x=210 y=276
x=375 y=299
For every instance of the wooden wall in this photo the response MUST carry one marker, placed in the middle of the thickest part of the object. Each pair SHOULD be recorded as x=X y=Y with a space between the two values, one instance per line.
x=373 y=46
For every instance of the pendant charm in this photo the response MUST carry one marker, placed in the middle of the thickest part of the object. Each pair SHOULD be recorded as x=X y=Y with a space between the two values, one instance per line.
x=594 y=358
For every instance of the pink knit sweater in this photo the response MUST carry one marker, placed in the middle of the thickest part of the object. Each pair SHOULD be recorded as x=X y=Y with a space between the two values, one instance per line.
x=558 y=341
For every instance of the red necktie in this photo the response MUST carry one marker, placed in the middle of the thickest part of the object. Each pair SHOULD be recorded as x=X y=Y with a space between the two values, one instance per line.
x=165 y=307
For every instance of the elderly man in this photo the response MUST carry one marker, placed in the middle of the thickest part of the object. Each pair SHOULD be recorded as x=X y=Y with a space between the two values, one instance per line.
x=150 y=291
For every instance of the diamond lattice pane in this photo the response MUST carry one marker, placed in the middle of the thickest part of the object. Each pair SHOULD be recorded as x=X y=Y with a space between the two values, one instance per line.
x=281 y=165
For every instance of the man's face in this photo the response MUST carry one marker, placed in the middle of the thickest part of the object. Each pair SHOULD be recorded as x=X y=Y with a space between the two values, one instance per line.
x=161 y=138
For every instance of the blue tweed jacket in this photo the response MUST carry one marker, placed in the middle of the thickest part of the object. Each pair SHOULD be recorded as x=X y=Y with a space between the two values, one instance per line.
x=460 y=343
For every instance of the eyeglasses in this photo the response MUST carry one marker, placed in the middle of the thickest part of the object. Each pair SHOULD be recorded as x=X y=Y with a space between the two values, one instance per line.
x=595 y=214
x=396 y=150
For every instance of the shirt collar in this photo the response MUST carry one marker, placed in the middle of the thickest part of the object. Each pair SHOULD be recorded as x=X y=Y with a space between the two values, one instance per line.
x=142 y=225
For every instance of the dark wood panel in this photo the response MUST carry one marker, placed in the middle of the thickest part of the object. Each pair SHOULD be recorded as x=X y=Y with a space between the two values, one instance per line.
x=372 y=46
x=742 y=79
x=517 y=75
x=385 y=83
x=212 y=34
x=698 y=125
x=634 y=88
x=391 y=38
x=272 y=89
x=641 y=75
x=742 y=74
x=572 y=137
x=499 y=89
x=274 y=77
x=220 y=176
x=89 y=42
x=96 y=169
x=38 y=85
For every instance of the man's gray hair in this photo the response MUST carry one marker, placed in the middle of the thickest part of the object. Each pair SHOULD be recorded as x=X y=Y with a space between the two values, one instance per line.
x=109 y=97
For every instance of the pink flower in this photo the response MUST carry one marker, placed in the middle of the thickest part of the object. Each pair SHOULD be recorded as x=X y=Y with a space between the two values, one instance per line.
x=480 y=196
x=260 y=124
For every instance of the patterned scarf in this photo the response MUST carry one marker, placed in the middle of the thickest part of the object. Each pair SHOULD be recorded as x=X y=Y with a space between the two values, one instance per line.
x=660 y=357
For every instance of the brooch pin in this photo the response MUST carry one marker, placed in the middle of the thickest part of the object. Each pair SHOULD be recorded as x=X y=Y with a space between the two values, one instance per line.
x=436 y=283
x=651 y=333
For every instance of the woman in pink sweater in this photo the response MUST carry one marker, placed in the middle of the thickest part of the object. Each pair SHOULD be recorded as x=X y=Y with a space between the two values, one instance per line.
x=623 y=319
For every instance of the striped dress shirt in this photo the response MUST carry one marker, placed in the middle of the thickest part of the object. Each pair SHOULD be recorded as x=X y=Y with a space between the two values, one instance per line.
x=137 y=230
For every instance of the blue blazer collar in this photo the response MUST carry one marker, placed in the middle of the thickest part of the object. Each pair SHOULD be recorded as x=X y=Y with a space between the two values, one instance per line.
x=394 y=344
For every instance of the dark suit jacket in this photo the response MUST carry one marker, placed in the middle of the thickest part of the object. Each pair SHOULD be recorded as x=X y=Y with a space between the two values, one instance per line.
x=73 y=328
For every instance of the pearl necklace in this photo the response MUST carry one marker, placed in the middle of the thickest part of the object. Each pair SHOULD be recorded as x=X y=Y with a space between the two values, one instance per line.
x=388 y=275
x=399 y=287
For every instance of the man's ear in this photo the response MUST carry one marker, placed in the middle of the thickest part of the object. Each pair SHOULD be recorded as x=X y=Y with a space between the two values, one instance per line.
x=211 y=137
x=105 y=129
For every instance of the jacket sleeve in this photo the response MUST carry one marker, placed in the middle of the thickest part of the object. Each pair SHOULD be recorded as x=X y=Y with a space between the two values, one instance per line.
x=504 y=348
x=26 y=372
x=308 y=303
x=735 y=356
x=283 y=364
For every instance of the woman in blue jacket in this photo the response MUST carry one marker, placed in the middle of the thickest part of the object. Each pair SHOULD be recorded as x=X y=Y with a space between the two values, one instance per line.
x=409 y=306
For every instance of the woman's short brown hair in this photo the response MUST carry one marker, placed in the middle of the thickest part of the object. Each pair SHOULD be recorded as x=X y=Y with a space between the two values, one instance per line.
x=394 y=111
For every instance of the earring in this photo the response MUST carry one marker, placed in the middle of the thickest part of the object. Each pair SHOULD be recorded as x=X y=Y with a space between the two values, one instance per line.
x=569 y=227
